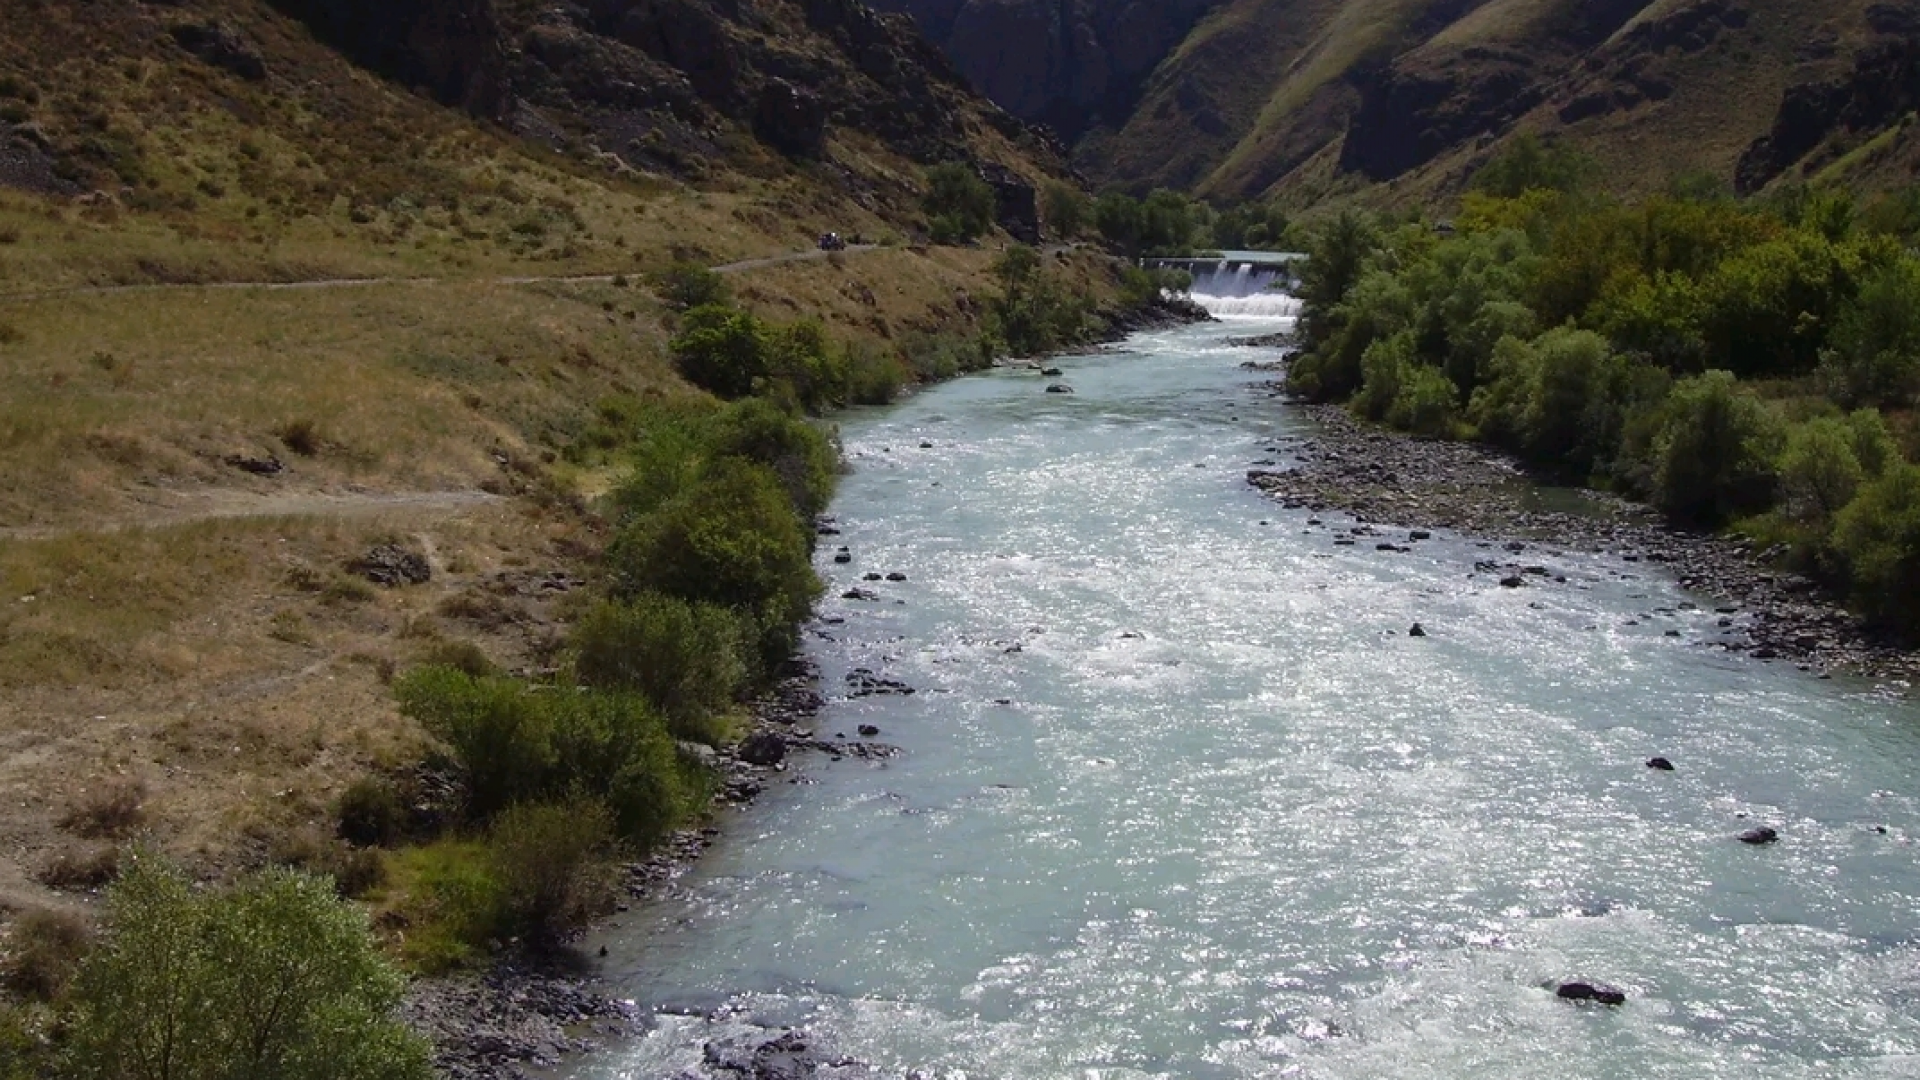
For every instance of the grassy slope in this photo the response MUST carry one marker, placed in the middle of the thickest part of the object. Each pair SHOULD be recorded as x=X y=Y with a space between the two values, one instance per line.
x=1281 y=73
x=225 y=665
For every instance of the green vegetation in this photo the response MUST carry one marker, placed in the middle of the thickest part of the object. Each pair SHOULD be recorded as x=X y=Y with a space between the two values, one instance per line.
x=959 y=204
x=734 y=353
x=1035 y=311
x=1064 y=209
x=1164 y=223
x=1696 y=352
x=272 y=976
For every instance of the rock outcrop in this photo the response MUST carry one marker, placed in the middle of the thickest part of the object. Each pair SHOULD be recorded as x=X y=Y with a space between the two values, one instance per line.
x=452 y=49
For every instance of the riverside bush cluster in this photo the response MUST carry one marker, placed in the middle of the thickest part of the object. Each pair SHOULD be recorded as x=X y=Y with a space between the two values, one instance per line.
x=734 y=354
x=708 y=577
x=1726 y=361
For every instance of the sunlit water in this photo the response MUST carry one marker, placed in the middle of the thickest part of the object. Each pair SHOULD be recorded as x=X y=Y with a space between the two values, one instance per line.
x=1234 y=822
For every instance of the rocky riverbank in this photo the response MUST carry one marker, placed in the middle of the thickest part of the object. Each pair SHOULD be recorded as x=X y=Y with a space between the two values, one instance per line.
x=1393 y=488
x=530 y=1014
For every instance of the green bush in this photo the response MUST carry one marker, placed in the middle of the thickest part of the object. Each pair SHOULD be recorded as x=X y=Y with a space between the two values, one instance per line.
x=271 y=977
x=721 y=349
x=1878 y=538
x=499 y=730
x=1426 y=403
x=1530 y=163
x=684 y=286
x=518 y=743
x=732 y=541
x=959 y=204
x=799 y=453
x=369 y=811
x=553 y=864
x=1714 y=455
x=685 y=658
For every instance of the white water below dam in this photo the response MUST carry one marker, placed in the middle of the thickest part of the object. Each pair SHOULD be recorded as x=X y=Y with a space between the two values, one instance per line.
x=1244 y=290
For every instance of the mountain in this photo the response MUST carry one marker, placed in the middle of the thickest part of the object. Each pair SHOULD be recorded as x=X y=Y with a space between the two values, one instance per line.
x=1400 y=99
x=1072 y=65
x=681 y=88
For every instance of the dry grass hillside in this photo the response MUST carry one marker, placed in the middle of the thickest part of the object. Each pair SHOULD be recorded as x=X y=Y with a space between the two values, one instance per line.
x=1401 y=99
x=264 y=311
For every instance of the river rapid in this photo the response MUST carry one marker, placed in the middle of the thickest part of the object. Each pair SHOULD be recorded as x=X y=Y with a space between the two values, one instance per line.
x=1179 y=796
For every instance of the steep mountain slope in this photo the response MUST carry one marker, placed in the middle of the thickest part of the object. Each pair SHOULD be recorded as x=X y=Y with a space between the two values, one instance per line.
x=1070 y=64
x=1303 y=98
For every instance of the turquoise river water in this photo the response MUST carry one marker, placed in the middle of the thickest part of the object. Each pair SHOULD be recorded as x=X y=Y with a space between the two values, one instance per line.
x=1179 y=797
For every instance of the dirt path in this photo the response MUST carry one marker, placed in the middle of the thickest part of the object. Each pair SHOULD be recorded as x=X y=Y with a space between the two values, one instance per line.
x=743 y=266
x=220 y=503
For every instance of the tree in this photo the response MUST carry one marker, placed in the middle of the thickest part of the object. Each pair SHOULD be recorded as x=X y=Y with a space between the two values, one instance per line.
x=274 y=976
x=1874 y=355
x=1819 y=472
x=721 y=349
x=1713 y=457
x=959 y=204
x=1878 y=537
x=1530 y=163
x=1121 y=221
x=1064 y=207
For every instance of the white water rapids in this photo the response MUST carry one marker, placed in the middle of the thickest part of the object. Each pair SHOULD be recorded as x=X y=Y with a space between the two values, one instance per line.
x=1178 y=796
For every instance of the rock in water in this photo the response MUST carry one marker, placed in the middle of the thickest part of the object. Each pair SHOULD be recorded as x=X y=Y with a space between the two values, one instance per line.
x=764 y=748
x=1417 y=631
x=1051 y=373
x=868 y=731
x=1059 y=388
x=1759 y=835
x=1660 y=763
x=1585 y=991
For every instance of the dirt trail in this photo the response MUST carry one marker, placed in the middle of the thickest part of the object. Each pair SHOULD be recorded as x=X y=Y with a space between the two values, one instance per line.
x=742 y=266
x=221 y=503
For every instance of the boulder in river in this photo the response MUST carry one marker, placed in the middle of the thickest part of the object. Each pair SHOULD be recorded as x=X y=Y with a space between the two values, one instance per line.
x=1051 y=373
x=1417 y=631
x=1758 y=835
x=1059 y=388
x=1660 y=764
x=1594 y=992
x=868 y=731
x=1512 y=581
x=763 y=748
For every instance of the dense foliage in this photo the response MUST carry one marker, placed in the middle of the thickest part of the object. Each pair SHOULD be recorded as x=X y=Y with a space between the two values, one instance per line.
x=1728 y=362
x=959 y=204
x=273 y=976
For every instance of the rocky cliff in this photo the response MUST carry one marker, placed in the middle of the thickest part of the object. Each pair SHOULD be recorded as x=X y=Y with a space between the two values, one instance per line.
x=1402 y=98
x=659 y=83
x=1073 y=65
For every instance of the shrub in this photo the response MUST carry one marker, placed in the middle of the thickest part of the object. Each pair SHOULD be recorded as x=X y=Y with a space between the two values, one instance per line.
x=1530 y=163
x=683 y=657
x=301 y=436
x=1878 y=538
x=1426 y=403
x=1714 y=453
x=959 y=204
x=873 y=376
x=370 y=813
x=684 y=286
x=733 y=541
x=516 y=743
x=110 y=811
x=499 y=733
x=552 y=862
x=721 y=349
x=43 y=950
x=272 y=977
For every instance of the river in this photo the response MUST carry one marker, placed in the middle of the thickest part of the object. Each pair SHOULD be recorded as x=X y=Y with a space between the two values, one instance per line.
x=1179 y=796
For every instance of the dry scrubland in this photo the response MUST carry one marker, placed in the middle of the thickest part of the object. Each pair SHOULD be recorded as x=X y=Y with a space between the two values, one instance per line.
x=183 y=654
